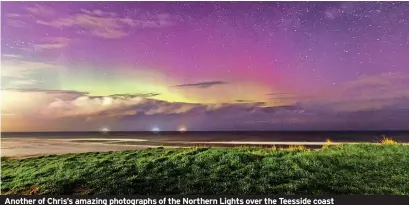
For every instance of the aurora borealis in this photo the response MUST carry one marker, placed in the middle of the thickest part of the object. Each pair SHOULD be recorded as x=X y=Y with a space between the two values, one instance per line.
x=86 y=66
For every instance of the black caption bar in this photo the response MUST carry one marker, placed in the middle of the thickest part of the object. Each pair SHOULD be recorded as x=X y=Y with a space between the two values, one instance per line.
x=203 y=200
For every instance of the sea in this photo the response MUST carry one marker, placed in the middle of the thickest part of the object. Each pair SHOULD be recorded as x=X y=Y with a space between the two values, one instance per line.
x=223 y=136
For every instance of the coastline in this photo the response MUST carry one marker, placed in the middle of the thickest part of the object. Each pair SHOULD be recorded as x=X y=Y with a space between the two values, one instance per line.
x=34 y=147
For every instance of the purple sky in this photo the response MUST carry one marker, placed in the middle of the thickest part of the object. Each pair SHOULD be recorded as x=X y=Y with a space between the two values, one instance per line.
x=205 y=65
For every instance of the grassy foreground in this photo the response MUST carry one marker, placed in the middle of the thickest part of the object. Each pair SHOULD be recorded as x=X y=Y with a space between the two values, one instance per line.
x=344 y=169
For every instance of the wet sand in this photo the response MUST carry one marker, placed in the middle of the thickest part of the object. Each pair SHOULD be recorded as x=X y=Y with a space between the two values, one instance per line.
x=23 y=147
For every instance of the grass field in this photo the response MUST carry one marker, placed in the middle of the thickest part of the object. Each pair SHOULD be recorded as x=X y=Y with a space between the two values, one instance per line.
x=342 y=169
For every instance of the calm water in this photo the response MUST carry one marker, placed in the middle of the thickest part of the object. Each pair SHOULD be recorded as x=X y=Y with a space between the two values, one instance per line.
x=312 y=136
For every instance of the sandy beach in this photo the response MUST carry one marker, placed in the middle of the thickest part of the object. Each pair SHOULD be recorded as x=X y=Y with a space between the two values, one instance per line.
x=23 y=147
x=29 y=147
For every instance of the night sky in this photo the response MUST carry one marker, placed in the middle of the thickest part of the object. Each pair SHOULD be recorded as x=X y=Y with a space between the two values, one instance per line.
x=124 y=66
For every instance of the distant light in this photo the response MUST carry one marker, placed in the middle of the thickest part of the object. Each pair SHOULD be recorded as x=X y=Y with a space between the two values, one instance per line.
x=105 y=130
x=182 y=129
x=155 y=129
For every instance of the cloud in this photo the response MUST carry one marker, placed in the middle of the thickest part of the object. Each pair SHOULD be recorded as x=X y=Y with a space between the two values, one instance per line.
x=127 y=96
x=99 y=12
x=13 y=15
x=24 y=20
x=364 y=93
x=101 y=26
x=243 y=101
x=51 y=43
x=73 y=110
x=17 y=71
x=96 y=22
x=283 y=96
x=46 y=44
x=20 y=68
x=377 y=87
x=40 y=10
x=108 y=24
x=22 y=82
x=151 y=21
x=377 y=81
x=28 y=102
x=368 y=102
x=250 y=102
x=332 y=13
x=15 y=20
x=203 y=84
x=17 y=23
x=65 y=103
x=62 y=103
x=35 y=90
x=290 y=98
x=11 y=56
